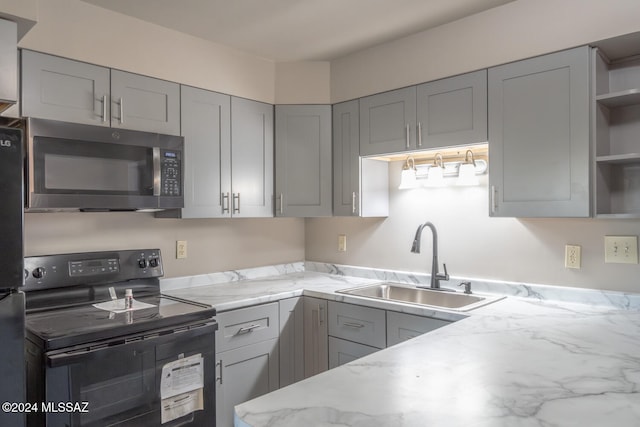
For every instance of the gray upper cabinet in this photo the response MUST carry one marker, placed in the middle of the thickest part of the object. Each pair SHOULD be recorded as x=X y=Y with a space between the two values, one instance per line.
x=206 y=127
x=539 y=136
x=303 y=160
x=72 y=91
x=388 y=122
x=360 y=186
x=452 y=111
x=144 y=103
x=251 y=159
x=60 y=89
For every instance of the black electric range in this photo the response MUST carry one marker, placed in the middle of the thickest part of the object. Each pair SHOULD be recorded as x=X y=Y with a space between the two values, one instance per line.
x=84 y=345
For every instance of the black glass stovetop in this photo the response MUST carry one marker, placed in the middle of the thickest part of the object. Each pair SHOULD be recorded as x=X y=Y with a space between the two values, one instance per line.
x=53 y=329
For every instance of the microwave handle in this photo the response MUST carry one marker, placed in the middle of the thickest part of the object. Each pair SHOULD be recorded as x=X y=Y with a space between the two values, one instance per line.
x=156 y=171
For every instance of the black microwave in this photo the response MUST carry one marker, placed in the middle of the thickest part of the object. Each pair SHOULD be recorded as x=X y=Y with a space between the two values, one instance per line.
x=92 y=168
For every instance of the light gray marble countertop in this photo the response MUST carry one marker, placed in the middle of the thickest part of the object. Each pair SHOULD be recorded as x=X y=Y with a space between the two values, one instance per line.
x=516 y=362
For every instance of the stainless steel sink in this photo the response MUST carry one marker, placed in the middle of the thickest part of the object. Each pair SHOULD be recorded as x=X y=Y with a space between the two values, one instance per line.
x=403 y=293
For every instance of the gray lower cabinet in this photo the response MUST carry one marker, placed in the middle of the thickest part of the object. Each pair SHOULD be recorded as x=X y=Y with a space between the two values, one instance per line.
x=539 y=136
x=343 y=351
x=303 y=160
x=388 y=122
x=360 y=185
x=243 y=374
x=452 y=111
x=291 y=342
x=62 y=89
x=402 y=327
x=247 y=358
x=316 y=353
x=364 y=325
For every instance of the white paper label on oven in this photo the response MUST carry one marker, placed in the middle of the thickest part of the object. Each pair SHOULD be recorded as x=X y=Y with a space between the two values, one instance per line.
x=181 y=405
x=181 y=376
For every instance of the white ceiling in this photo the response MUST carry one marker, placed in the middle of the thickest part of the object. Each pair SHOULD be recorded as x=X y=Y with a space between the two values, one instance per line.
x=299 y=30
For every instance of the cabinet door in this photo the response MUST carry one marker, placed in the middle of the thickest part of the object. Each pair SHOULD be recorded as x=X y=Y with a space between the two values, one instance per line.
x=251 y=158
x=61 y=89
x=360 y=185
x=291 y=341
x=539 y=136
x=453 y=111
x=243 y=374
x=206 y=128
x=144 y=103
x=343 y=351
x=315 y=336
x=346 y=159
x=402 y=327
x=388 y=122
x=303 y=160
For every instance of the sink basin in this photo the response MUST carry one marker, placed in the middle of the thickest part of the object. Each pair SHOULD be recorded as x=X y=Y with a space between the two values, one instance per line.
x=403 y=293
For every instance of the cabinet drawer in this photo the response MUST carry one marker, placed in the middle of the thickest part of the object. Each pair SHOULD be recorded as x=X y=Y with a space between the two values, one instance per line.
x=246 y=326
x=402 y=327
x=363 y=325
x=342 y=351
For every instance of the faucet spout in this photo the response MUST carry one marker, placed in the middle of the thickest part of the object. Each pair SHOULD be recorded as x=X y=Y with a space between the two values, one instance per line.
x=436 y=277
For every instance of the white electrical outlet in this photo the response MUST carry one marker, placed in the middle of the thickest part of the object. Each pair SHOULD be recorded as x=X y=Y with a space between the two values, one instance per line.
x=342 y=243
x=572 y=256
x=181 y=249
x=621 y=249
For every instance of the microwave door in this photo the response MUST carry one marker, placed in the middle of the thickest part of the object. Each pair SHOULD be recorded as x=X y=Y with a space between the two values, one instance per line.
x=94 y=175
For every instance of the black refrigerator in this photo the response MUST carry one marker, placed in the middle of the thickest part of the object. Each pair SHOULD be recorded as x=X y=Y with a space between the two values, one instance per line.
x=12 y=361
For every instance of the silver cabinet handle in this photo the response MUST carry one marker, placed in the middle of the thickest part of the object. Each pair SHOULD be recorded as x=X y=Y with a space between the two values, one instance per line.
x=219 y=378
x=419 y=134
x=121 y=112
x=408 y=136
x=223 y=197
x=353 y=202
x=247 y=329
x=320 y=315
x=236 y=206
x=104 y=108
x=281 y=204
x=353 y=325
x=156 y=171
x=494 y=197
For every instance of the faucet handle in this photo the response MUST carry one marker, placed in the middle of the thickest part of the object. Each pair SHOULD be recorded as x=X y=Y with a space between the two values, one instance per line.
x=444 y=276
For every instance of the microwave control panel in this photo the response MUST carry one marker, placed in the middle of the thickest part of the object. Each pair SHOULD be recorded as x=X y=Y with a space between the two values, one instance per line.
x=171 y=182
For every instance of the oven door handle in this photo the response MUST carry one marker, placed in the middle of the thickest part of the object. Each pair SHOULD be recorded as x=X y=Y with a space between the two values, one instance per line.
x=72 y=356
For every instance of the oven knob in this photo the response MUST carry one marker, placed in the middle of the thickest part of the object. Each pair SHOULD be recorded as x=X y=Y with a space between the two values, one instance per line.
x=153 y=262
x=142 y=263
x=39 y=272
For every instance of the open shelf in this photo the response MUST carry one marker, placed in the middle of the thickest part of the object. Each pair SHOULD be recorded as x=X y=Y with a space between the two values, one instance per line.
x=619 y=158
x=620 y=99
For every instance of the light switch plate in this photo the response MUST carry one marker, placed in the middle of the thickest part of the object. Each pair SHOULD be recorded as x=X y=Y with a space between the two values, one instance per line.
x=621 y=249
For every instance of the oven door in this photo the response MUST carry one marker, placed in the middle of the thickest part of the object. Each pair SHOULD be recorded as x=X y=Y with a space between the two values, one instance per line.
x=109 y=384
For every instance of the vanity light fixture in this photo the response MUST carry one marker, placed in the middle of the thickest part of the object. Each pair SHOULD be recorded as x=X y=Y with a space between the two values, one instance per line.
x=467 y=171
x=439 y=171
x=408 y=177
x=435 y=175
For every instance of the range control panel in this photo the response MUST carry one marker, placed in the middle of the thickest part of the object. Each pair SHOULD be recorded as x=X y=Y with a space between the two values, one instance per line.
x=90 y=268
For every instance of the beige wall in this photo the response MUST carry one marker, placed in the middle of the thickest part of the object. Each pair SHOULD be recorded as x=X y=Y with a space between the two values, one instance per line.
x=472 y=244
x=212 y=244
x=517 y=30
